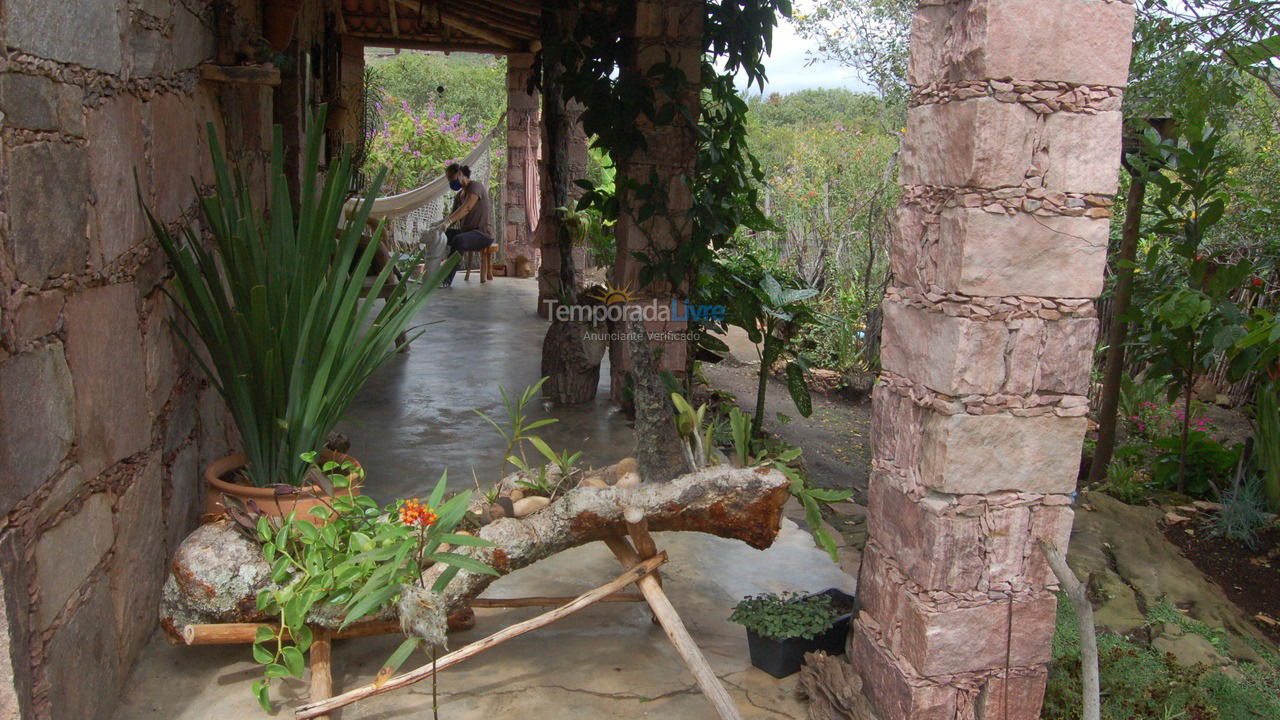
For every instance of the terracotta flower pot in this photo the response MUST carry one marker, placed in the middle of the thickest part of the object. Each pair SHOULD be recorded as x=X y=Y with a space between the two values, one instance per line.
x=217 y=476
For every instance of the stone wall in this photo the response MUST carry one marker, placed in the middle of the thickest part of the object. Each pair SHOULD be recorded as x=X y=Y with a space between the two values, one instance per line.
x=105 y=424
x=1009 y=165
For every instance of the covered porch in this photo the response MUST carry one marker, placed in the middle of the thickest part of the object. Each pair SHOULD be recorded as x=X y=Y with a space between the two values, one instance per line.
x=415 y=420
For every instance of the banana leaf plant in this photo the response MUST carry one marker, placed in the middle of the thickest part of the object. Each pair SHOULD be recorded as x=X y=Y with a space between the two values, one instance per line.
x=771 y=315
x=278 y=298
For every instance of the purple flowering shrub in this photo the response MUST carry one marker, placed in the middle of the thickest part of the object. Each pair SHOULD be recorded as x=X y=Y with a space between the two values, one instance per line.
x=415 y=146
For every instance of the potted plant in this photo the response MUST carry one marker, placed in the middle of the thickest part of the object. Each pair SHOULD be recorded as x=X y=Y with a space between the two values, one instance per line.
x=281 y=305
x=352 y=560
x=781 y=628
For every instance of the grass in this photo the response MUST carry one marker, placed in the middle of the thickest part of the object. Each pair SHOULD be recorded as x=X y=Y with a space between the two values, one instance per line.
x=1140 y=683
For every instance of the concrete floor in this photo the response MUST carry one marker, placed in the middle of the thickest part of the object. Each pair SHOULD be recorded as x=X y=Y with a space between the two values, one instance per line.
x=608 y=661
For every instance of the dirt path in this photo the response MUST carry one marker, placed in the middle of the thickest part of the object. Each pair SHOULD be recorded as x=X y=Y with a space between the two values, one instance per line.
x=835 y=438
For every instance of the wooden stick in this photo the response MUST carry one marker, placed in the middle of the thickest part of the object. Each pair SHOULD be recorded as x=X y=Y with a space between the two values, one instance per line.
x=638 y=571
x=638 y=528
x=321 y=670
x=1076 y=590
x=240 y=633
x=548 y=601
x=706 y=678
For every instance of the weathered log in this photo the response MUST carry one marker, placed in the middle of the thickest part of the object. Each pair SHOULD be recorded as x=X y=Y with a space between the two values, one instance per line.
x=217 y=572
x=833 y=688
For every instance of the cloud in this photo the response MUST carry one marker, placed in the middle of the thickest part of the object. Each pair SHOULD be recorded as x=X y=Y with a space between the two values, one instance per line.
x=789 y=70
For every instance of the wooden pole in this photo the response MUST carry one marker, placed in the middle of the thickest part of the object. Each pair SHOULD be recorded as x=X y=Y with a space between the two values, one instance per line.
x=321 y=666
x=637 y=571
x=1079 y=595
x=548 y=601
x=679 y=635
x=241 y=633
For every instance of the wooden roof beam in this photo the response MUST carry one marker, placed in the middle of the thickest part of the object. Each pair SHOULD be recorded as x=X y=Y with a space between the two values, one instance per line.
x=395 y=18
x=484 y=33
x=515 y=26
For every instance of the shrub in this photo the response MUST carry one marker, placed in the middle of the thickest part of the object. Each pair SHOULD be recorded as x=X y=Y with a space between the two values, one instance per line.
x=789 y=615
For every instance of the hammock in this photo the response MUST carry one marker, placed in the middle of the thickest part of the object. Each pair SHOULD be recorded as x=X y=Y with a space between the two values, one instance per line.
x=411 y=213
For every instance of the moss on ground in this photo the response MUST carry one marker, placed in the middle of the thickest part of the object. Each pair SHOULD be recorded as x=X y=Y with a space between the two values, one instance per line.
x=1138 y=682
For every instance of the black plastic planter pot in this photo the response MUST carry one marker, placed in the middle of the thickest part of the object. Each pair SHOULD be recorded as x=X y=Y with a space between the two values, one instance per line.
x=781 y=658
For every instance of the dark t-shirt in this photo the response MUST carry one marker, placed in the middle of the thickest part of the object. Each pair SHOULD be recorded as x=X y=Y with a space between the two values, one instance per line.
x=479 y=217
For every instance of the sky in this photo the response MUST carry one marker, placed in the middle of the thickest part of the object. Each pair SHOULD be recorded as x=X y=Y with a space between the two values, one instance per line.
x=788 y=71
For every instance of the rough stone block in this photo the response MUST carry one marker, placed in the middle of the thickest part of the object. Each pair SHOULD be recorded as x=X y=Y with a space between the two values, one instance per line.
x=28 y=101
x=85 y=33
x=67 y=554
x=936 y=551
x=83 y=662
x=1083 y=151
x=104 y=351
x=165 y=362
x=116 y=152
x=37 y=316
x=976 y=454
x=896 y=424
x=959 y=356
x=982 y=253
x=48 y=217
x=1013 y=698
x=1084 y=41
x=15 y=630
x=138 y=566
x=1065 y=364
x=890 y=691
x=977 y=638
x=37 y=420
x=179 y=151
x=187 y=497
x=949 y=354
x=974 y=143
x=193 y=40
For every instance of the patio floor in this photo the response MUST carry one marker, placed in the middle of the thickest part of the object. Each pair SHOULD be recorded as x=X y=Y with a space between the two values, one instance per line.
x=413 y=421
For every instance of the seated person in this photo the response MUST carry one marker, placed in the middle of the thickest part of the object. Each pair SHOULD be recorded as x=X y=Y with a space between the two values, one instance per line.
x=471 y=212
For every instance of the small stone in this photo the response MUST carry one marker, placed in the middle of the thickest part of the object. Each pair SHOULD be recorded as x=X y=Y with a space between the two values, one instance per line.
x=527 y=506
x=629 y=480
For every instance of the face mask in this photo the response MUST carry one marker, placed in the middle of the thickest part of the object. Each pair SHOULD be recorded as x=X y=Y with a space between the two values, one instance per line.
x=455 y=185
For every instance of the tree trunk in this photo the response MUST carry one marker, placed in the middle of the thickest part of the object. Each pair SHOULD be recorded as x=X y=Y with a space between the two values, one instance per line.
x=571 y=355
x=1118 y=332
x=657 y=442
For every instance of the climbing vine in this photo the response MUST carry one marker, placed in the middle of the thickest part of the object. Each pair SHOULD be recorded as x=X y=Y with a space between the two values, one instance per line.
x=594 y=57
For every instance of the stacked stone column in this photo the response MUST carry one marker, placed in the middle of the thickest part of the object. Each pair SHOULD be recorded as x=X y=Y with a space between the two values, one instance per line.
x=524 y=138
x=1009 y=166
x=665 y=33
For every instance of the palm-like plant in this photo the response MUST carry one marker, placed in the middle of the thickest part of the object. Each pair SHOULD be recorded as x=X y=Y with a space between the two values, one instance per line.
x=280 y=304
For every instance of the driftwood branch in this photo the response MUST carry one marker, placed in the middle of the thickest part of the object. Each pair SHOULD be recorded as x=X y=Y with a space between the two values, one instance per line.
x=217 y=572
x=679 y=635
x=639 y=571
x=1079 y=596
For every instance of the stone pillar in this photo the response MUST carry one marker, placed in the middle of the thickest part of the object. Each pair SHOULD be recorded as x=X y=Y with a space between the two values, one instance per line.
x=1009 y=166
x=665 y=32
x=521 y=206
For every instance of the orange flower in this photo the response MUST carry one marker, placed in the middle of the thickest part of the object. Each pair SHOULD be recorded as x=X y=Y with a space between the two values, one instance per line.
x=415 y=514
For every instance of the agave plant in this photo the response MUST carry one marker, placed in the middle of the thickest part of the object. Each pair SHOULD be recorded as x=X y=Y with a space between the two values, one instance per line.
x=280 y=304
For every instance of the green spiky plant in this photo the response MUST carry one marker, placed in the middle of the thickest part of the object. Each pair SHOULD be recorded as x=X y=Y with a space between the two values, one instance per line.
x=280 y=304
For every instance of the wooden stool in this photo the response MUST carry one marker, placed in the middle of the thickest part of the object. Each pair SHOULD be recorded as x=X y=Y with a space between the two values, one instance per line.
x=486 y=263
